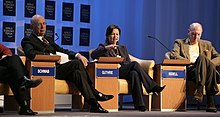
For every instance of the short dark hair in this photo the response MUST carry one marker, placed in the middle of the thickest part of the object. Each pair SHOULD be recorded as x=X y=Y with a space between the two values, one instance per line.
x=109 y=30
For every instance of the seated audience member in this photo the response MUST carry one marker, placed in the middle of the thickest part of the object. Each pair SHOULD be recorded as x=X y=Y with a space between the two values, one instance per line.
x=204 y=59
x=72 y=71
x=14 y=73
x=132 y=71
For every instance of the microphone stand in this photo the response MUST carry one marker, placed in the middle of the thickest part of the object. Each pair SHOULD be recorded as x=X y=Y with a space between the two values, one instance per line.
x=151 y=37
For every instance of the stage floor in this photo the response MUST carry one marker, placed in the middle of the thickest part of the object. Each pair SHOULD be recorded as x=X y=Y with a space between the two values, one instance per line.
x=128 y=111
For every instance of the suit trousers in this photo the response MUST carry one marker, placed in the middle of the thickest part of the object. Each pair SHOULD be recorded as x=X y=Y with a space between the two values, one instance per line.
x=12 y=71
x=203 y=72
x=136 y=75
x=74 y=71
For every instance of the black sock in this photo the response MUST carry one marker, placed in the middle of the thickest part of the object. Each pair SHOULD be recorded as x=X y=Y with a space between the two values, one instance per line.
x=200 y=88
x=92 y=101
x=24 y=105
x=210 y=99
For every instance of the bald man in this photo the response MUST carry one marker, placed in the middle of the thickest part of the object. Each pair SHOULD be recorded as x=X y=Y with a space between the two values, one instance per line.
x=73 y=71
x=204 y=59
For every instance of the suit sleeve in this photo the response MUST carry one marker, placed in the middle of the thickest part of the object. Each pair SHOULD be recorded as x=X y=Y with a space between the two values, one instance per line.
x=126 y=55
x=4 y=50
x=99 y=52
x=215 y=57
x=176 y=50
x=29 y=49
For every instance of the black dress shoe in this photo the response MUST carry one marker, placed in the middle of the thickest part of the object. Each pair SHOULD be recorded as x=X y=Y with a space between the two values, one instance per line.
x=198 y=96
x=141 y=108
x=97 y=109
x=157 y=89
x=31 y=83
x=27 y=112
x=211 y=108
x=103 y=97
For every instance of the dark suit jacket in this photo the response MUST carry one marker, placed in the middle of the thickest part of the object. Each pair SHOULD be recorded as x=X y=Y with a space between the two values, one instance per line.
x=101 y=51
x=4 y=73
x=181 y=50
x=33 y=46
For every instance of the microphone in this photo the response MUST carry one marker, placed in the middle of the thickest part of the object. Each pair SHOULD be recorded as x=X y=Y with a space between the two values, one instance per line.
x=151 y=37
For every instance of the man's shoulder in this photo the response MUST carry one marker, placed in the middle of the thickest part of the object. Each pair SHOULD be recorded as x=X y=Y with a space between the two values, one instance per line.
x=205 y=41
x=181 y=40
x=28 y=37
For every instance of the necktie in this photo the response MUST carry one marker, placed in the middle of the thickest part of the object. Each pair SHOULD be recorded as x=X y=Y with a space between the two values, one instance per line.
x=45 y=41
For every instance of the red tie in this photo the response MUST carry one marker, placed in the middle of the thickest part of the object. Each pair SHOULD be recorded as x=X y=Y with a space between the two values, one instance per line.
x=45 y=41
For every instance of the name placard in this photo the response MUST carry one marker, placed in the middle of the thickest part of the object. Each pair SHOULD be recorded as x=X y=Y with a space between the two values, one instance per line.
x=173 y=73
x=43 y=71
x=100 y=72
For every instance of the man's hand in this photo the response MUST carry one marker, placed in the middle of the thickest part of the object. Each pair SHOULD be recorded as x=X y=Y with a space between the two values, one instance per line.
x=4 y=56
x=83 y=59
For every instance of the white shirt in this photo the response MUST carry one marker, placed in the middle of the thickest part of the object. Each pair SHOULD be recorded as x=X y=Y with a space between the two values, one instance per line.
x=193 y=52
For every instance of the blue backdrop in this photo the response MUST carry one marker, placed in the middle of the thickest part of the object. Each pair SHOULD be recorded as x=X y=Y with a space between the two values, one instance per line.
x=164 y=19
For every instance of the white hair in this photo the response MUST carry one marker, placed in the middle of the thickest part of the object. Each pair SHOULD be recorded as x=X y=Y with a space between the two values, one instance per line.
x=195 y=24
x=33 y=19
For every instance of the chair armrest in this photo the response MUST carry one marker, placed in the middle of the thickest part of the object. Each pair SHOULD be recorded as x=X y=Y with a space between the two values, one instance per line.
x=147 y=65
x=47 y=58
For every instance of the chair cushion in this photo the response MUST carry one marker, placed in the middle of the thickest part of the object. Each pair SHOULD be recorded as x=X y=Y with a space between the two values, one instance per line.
x=5 y=89
x=61 y=87
x=65 y=87
x=124 y=88
x=204 y=92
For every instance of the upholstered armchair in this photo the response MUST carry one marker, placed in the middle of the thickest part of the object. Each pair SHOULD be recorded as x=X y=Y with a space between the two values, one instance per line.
x=123 y=85
x=62 y=86
x=190 y=84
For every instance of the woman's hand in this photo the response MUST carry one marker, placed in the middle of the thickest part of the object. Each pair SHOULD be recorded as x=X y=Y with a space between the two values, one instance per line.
x=109 y=47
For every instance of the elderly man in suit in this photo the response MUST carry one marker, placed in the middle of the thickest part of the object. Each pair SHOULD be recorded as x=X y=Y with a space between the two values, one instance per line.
x=204 y=59
x=13 y=72
x=72 y=71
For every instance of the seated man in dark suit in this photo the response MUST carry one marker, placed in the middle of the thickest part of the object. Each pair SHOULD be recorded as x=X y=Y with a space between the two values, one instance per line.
x=72 y=71
x=13 y=72
x=204 y=59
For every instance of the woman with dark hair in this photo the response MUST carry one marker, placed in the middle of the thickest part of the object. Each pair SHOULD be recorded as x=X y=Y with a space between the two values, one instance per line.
x=130 y=70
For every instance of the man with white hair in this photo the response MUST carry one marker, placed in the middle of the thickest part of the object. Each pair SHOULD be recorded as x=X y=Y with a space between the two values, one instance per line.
x=72 y=71
x=204 y=59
